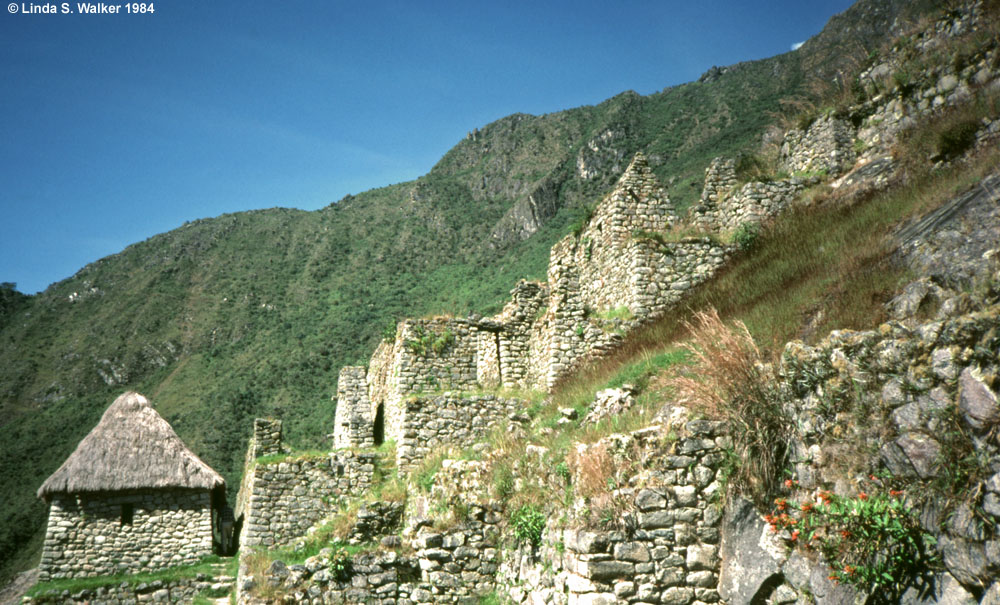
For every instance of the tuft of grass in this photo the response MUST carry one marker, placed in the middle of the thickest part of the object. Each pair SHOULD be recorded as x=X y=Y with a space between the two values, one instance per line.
x=622 y=312
x=730 y=380
x=423 y=475
x=292 y=457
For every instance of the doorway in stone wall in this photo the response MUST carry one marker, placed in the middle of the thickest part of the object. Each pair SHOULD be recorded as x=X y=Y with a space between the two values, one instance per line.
x=379 y=429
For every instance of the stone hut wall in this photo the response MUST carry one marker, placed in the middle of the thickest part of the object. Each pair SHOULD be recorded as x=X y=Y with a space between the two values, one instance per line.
x=286 y=498
x=667 y=550
x=638 y=203
x=280 y=500
x=639 y=273
x=448 y=419
x=559 y=339
x=266 y=437
x=828 y=144
x=354 y=419
x=88 y=534
x=382 y=371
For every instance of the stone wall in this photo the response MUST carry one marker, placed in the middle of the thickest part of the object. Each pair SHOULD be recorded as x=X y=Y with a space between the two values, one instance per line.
x=265 y=441
x=436 y=354
x=661 y=274
x=665 y=548
x=288 y=497
x=720 y=179
x=618 y=261
x=457 y=565
x=892 y=109
x=354 y=419
x=826 y=145
x=448 y=419
x=182 y=590
x=755 y=202
x=280 y=499
x=527 y=302
x=89 y=534
x=903 y=408
x=266 y=438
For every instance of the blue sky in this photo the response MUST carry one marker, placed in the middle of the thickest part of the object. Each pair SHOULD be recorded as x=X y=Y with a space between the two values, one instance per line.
x=118 y=127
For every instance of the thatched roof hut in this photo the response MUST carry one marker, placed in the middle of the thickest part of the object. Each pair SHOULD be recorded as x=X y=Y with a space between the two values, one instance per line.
x=132 y=447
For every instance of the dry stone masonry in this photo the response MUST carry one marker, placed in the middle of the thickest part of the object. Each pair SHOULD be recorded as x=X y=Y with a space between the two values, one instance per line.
x=724 y=207
x=621 y=264
x=279 y=500
x=89 y=535
x=354 y=421
x=457 y=565
x=449 y=419
x=826 y=145
x=666 y=548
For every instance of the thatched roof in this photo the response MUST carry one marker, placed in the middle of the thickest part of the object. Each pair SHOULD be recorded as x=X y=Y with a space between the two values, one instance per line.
x=132 y=447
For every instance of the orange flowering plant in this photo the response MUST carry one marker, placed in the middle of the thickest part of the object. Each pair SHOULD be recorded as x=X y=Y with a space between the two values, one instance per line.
x=872 y=541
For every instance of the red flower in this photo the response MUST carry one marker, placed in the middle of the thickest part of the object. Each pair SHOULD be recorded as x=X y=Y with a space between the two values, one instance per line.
x=789 y=483
x=862 y=496
x=781 y=503
x=895 y=492
x=825 y=497
x=845 y=534
x=795 y=535
x=806 y=507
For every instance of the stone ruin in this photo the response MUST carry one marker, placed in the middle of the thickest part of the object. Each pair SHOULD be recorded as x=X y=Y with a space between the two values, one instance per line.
x=622 y=262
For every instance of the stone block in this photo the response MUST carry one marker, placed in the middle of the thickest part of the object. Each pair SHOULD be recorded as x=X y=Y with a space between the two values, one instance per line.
x=702 y=557
x=604 y=571
x=635 y=552
x=580 y=541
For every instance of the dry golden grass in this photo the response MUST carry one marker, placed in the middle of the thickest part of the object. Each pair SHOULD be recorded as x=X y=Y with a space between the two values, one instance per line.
x=730 y=380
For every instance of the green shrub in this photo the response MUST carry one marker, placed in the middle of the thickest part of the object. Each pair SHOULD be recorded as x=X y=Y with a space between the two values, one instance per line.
x=747 y=235
x=503 y=482
x=957 y=139
x=527 y=524
x=389 y=332
x=904 y=82
x=755 y=167
x=424 y=475
x=424 y=343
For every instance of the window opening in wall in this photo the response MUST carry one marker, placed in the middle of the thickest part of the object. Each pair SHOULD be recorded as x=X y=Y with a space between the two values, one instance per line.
x=379 y=429
x=127 y=514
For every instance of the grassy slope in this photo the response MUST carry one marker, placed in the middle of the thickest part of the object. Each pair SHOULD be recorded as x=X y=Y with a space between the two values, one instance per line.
x=253 y=313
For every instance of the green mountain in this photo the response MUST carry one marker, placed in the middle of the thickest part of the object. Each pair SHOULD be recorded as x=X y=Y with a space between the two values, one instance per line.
x=253 y=313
